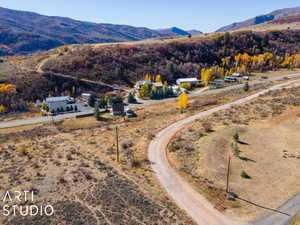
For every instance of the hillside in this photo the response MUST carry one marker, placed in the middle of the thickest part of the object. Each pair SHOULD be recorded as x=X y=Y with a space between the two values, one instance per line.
x=24 y=32
x=125 y=64
x=283 y=23
x=80 y=66
x=173 y=31
x=260 y=19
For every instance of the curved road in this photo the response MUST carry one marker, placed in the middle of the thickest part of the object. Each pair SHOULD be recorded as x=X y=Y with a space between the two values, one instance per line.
x=184 y=195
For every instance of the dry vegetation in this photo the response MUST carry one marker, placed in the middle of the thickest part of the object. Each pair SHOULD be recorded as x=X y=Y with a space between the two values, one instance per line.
x=268 y=128
x=72 y=164
x=295 y=221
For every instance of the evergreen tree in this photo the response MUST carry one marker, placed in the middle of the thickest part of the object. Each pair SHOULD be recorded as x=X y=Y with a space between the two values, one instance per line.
x=96 y=111
x=131 y=99
x=226 y=38
x=92 y=101
x=246 y=87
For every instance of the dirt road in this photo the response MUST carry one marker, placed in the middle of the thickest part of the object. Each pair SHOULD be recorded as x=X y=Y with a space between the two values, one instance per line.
x=180 y=190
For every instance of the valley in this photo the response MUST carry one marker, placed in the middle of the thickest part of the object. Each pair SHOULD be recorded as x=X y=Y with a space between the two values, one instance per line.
x=120 y=124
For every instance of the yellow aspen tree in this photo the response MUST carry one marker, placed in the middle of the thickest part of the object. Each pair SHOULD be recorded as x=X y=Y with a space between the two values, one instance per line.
x=157 y=78
x=148 y=77
x=154 y=88
x=183 y=101
x=166 y=85
x=144 y=92
x=2 y=109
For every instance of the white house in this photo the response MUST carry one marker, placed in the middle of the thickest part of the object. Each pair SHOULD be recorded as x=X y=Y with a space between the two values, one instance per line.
x=140 y=83
x=85 y=96
x=236 y=74
x=193 y=81
x=158 y=85
x=59 y=104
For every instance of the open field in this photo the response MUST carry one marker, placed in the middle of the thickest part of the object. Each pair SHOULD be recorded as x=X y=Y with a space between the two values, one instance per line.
x=295 y=221
x=272 y=27
x=70 y=161
x=200 y=153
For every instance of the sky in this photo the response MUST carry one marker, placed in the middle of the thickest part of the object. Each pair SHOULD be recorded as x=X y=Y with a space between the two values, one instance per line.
x=204 y=15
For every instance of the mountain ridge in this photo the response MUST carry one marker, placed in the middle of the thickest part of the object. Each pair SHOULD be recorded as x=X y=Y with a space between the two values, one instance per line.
x=260 y=19
x=24 y=32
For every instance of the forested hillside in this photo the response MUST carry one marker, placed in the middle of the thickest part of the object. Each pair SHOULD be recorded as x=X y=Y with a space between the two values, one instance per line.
x=125 y=64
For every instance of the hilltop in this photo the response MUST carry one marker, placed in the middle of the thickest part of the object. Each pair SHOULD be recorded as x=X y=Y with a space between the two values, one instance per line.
x=260 y=19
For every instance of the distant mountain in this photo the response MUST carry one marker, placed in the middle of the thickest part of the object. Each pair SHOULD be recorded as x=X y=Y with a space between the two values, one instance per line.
x=261 y=19
x=195 y=32
x=24 y=32
x=173 y=31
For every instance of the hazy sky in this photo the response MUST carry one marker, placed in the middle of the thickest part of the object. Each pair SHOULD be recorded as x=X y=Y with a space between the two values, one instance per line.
x=205 y=15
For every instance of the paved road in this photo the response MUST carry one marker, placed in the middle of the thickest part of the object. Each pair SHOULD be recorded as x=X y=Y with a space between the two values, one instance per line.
x=290 y=209
x=182 y=193
x=44 y=119
x=147 y=102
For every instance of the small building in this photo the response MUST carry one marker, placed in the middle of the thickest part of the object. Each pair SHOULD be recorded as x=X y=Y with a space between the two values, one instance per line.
x=118 y=109
x=177 y=90
x=158 y=85
x=61 y=104
x=236 y=74
x=193 y=81
x=140 y=83
x=230 y=79
x=216 y=84
x=85 y=96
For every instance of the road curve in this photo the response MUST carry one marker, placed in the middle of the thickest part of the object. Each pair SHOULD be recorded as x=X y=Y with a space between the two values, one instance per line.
x=186 y=198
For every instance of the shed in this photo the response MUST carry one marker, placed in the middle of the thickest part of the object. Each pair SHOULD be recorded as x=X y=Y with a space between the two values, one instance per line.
x=193 y=81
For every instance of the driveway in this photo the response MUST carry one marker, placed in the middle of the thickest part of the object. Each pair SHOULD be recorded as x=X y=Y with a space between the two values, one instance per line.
x=180 y=190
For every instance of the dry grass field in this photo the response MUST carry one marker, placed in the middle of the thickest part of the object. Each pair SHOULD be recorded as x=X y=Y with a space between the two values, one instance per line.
x=295 y=221
x=268 y=152
x=72 y=164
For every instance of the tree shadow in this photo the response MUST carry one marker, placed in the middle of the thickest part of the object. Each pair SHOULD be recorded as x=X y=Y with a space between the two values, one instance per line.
x=243 y=143
x=247 y=159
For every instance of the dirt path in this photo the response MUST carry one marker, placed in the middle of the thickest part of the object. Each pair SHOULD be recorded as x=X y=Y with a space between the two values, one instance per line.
x=180 y=190
x=40 y=70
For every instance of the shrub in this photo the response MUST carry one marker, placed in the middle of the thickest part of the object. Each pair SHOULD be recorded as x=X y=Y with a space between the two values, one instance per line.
x=174 y=147
x=207 y=126
x=127 y=144
x=236 y=137
x=245 y=175
x=131 y=99
x=235 y=149
x=186 y=86
x=246 y=87
x=135 y=163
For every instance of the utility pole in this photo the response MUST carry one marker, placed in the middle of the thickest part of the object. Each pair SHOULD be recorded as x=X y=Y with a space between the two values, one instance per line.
x=117 y=142
x=228 y=174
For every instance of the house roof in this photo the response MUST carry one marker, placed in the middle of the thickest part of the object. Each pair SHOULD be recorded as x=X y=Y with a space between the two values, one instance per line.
x=158 y=84
x=192 y=79
x=141 y=82
x=58 y=99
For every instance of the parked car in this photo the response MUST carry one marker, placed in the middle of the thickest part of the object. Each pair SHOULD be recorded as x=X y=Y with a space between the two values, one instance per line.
x=230 y=79
x=130 y=113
